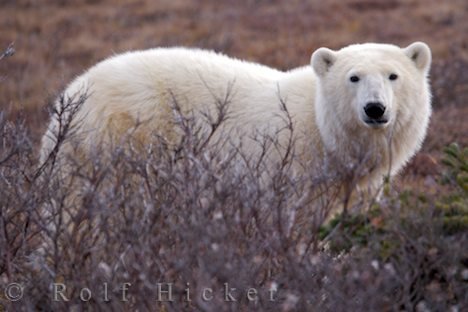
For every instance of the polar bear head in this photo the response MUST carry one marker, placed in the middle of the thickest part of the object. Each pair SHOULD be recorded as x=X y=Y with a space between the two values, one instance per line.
x=369 y=80
x=368 y=90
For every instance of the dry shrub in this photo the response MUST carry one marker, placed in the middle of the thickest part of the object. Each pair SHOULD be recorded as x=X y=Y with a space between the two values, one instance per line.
x=221 y=231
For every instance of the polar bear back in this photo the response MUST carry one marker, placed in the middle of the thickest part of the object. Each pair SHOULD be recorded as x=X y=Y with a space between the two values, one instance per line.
x=143 y=87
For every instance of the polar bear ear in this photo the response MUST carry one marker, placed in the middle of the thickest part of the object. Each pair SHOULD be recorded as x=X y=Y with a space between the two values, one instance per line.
x=322 y=59
x=420 y=54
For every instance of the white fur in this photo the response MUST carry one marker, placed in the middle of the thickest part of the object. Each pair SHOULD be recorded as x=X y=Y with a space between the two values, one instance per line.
x=327 y=109
x=340 y=103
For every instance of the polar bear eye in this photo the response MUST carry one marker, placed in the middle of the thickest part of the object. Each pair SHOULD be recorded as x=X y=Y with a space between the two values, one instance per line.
x=354 y=78
x=393 y=77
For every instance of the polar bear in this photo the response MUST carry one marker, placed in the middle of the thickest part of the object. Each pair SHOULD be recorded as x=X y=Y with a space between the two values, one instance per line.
x=367 y=103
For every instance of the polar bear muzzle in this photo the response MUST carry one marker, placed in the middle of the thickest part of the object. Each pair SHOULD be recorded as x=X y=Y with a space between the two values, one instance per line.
x=375 y=113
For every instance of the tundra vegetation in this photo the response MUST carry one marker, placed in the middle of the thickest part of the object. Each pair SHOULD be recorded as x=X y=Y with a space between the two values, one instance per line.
x=131 y=243
x=186 y=227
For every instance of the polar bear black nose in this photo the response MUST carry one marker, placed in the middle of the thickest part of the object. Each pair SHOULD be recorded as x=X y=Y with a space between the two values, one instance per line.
x=374 y=110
